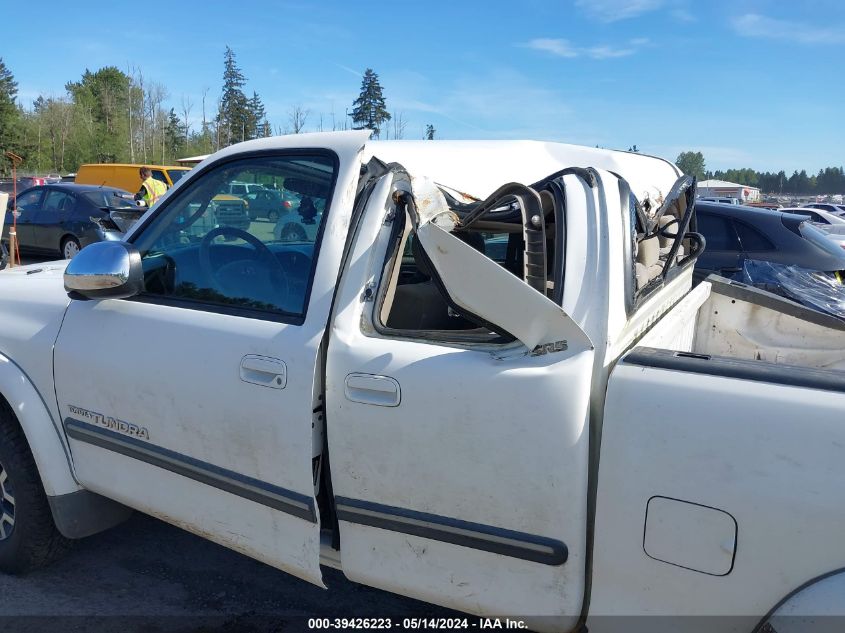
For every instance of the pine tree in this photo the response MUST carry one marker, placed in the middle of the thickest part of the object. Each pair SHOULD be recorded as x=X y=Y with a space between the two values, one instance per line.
x=257 y=115
x=9 y=113
x=429 y=132
x=174 y=133
x=369 y=109
x=233 y=117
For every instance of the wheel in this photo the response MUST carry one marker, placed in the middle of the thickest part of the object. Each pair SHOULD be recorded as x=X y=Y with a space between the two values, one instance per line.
x=70 y=247
x=272 y=215
x=28 y=537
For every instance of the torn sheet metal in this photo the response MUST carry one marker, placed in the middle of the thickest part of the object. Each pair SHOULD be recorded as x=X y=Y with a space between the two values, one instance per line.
x=483 y=288
x=818 y=290
x=431 y=204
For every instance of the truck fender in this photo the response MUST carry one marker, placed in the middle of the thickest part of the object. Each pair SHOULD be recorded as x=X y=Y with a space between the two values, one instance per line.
x=51 y=455
x=813 y=606
x=76 y=512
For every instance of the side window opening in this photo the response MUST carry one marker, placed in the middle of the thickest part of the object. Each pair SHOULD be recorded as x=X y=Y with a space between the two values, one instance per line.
x=413 y=301
x=417 y=302
x=666 y=239
x=202 y=249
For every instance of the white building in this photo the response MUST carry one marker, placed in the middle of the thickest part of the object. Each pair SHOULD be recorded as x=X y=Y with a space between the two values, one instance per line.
x=724 y=189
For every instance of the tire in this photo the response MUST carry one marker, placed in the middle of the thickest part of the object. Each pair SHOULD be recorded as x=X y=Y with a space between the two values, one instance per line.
x=70 y=247
x=28 y=538
x=272 y=215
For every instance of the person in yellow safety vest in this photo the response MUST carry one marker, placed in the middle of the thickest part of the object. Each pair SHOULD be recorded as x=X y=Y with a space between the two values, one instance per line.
x=151 y=189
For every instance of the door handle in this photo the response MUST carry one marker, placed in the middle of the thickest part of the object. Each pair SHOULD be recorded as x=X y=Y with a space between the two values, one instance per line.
x=381 y=391
x=264 y=371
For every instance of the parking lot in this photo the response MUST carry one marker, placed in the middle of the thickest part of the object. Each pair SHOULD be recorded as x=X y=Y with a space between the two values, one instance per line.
x=145 y=575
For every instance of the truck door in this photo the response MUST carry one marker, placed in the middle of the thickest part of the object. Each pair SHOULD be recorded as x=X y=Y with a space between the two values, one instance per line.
x=458 y=456
x=194 y=401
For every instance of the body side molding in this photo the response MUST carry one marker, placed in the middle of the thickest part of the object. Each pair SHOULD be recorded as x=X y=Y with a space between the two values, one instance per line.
x=275 y=497
x=487 y=538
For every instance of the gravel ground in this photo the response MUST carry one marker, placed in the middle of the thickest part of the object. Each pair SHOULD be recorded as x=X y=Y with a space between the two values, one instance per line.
x=148 y=576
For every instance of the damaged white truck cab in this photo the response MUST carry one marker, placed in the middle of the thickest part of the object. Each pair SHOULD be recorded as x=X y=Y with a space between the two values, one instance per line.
x=508 y=403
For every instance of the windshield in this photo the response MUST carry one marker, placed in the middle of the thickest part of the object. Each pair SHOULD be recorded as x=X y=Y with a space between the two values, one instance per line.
x=111 y=199
x=176 y=174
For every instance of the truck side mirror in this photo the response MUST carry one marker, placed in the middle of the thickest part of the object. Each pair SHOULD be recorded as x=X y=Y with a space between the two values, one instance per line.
x=105 y=270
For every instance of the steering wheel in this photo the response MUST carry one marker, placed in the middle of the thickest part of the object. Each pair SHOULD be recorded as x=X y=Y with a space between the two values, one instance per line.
x=229 y=277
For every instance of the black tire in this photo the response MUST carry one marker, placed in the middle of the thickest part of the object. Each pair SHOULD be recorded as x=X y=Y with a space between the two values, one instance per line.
x=33 y=540
x=70 y=243
x=272 y=215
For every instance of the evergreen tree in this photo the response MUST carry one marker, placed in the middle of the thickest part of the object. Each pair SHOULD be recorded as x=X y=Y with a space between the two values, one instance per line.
x=257 y=116
x=9 y=114
x=233 y=118
x=429 y=132
x=692 y=164
x=369 y=109
x=174 y=134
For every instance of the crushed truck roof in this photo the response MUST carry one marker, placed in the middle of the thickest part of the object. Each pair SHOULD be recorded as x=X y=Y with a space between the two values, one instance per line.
x=480 y=167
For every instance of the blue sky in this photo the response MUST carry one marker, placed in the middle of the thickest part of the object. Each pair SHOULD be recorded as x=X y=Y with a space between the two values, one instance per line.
x=750 y=83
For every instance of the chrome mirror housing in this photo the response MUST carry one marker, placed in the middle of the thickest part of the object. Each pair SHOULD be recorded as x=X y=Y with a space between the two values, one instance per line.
x=105 y=270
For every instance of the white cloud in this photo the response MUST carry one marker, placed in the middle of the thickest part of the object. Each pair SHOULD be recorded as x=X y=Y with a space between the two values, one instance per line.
x=351 y=71
x=614 y=10
x=559 y=47
x=564 y=48
x=761 y=26
x=607 y=52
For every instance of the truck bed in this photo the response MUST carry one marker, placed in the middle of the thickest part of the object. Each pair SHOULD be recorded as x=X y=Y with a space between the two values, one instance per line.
x=722 y=439
x=725 y=320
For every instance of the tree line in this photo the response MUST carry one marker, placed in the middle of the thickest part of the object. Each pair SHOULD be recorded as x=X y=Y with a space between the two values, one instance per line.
x=115 y=115
x=830 y=180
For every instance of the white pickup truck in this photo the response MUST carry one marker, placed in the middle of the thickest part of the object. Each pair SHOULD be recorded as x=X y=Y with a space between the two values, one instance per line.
x=509 y=401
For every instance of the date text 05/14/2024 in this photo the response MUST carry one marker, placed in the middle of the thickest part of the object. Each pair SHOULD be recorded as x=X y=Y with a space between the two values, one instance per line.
x=416 y=623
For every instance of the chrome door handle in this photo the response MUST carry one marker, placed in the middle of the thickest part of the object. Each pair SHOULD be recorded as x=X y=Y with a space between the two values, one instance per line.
x=382 y=391
x=264 y=371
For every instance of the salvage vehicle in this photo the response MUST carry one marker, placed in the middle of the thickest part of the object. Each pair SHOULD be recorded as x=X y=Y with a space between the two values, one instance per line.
x=829 y=222
x=564 y=432
x=836 y=209
x=735 y=234
x=63 y=218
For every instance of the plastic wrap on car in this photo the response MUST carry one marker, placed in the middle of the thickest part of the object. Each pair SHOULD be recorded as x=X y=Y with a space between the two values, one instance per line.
x=819 y=290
